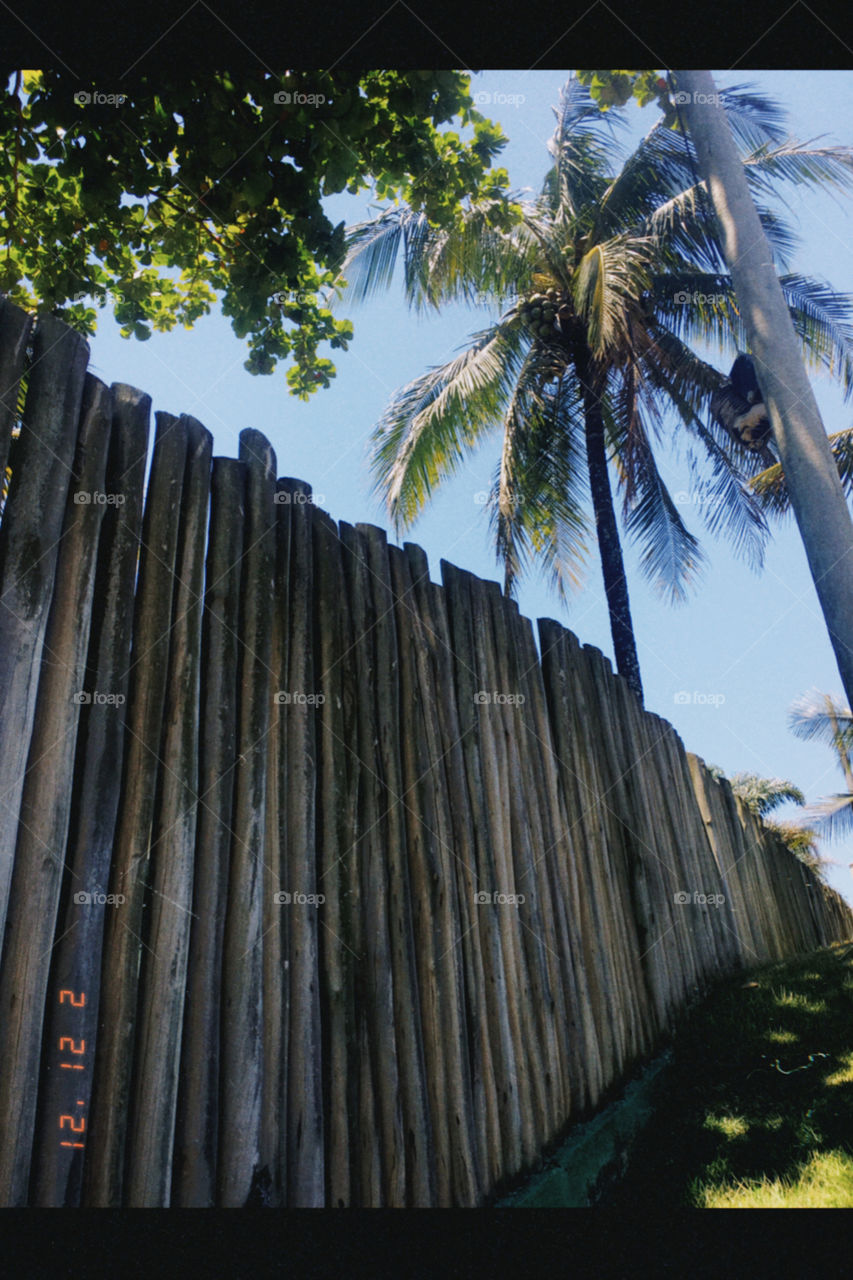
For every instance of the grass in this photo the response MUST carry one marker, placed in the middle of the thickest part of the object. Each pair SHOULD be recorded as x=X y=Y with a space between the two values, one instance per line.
x=756 y=1108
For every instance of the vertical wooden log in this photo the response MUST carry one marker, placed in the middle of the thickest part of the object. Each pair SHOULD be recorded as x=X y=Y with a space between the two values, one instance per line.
x=418 y=1157
x=586 y=884
x=15 y=329
x=382 y=1154
x=277 y=978
x=198 y=1111
x=336 y=805
x=472 y=678
x=549 y=926
x=104 y=1176
x=275 y=994
x=29 y=548
x=445 y=871
x=305 y=1134
x=242 y=972
x=45 y=808
x=525 y=999
x=164 y=962
x=615 y=874
x=76 y=964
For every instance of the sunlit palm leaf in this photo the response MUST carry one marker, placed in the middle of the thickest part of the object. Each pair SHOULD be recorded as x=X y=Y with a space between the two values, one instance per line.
x=609 y=279
x=772 y=492
x=434 y=422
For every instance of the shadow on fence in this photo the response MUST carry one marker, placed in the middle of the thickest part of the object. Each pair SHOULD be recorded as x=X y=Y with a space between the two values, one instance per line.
x=319 y=886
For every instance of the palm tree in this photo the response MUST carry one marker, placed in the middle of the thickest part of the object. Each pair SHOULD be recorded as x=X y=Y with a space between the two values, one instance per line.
x=762 y=796
x=608 y=277
x=819 y=717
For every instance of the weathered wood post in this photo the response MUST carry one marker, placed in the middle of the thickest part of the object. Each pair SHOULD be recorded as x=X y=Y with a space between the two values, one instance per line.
x=76 y=964
x=249 y=879
x=43 y=827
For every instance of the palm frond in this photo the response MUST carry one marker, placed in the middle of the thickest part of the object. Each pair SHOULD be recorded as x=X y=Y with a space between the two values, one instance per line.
x=671 y=556
x=772 y=492
x=821 y=317
x=802 y=841
x=753 y=118
x=819 y=717
x=763 y=795
x=725 y=502
x=832 y=817
x=373 y=248
x=582 y=146
x=800 y=163
x=538 y=498
x=475 y=257
x=608 y=280
x=434 y=422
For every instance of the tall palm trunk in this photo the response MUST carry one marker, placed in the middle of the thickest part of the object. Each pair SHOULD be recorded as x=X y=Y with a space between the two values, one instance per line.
x=810 y=471
x=607 y=531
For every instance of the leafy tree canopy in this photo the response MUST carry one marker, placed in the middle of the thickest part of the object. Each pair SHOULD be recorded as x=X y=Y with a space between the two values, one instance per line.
x=192 y=188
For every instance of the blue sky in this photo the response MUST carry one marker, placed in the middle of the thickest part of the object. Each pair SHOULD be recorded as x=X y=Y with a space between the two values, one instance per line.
x=744 y=646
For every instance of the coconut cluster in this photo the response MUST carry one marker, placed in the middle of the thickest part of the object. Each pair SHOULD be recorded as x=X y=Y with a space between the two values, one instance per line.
x=540 y=312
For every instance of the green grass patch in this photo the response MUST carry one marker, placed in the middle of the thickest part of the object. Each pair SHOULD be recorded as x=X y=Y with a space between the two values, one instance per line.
x=756 y=1108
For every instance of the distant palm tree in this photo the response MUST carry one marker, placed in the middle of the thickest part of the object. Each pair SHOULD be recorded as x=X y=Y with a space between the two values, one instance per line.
x=819 y=717
x=762 y=796
x=609 y=276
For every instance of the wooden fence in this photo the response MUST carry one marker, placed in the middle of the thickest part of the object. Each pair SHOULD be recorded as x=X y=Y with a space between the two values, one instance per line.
x=318 y=886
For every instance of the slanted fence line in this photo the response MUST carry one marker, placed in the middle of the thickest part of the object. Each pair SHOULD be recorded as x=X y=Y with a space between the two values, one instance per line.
x=318 y=884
